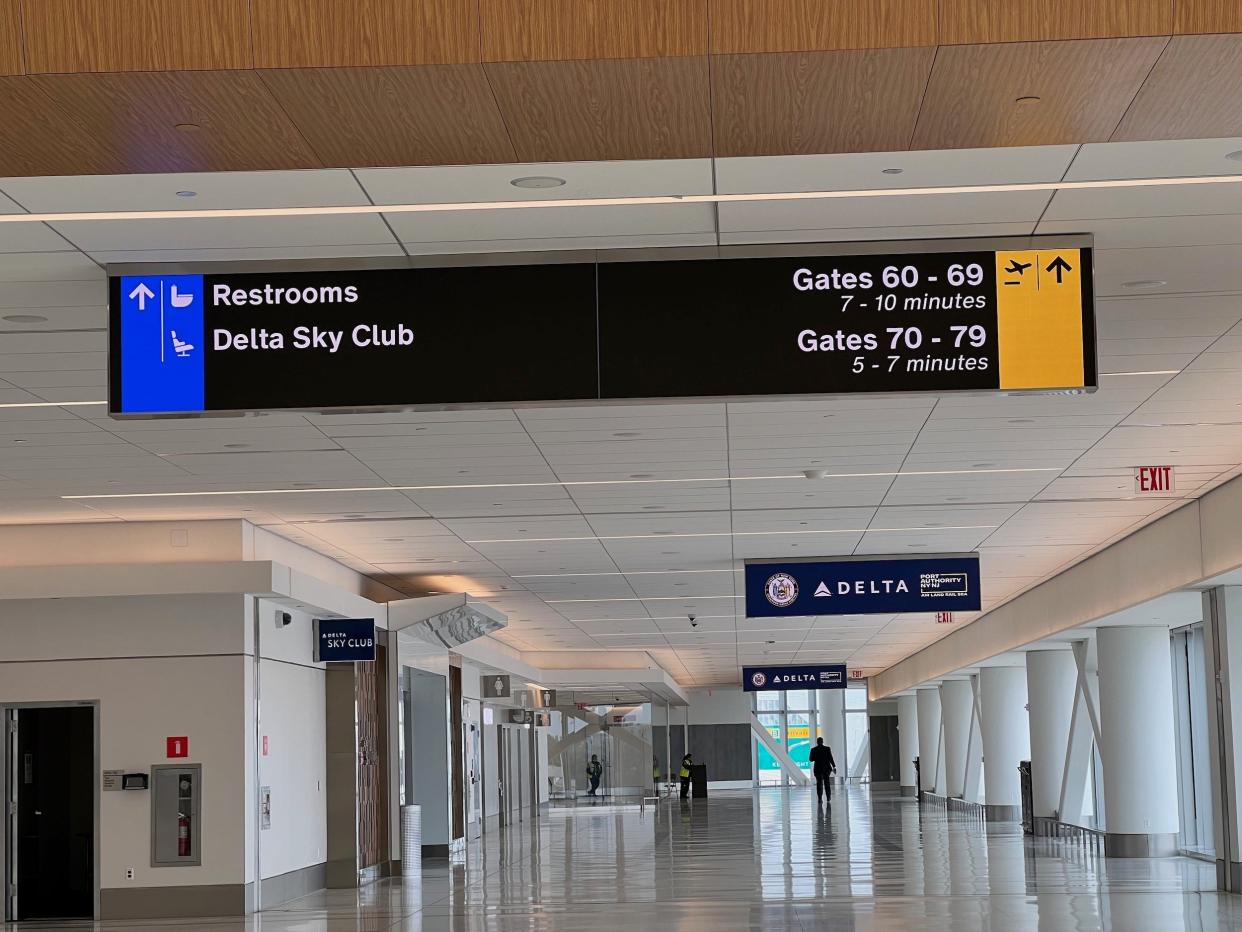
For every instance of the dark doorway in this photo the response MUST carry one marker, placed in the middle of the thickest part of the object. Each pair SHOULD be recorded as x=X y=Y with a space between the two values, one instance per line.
x=52 y=770
x=885 y=756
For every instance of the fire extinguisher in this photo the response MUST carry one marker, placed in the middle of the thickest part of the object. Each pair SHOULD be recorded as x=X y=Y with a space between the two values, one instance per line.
x=183 y=836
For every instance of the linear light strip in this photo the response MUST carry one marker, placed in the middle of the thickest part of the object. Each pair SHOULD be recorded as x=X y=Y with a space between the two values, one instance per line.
x=568 y=484
x=638 y=200
x=634 y=573
x=864 y=530
x=50 y=404
x=654 y=598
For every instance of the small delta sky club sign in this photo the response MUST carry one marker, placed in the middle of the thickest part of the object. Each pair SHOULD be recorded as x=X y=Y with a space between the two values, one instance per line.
x=855 y=586
x=819 y=676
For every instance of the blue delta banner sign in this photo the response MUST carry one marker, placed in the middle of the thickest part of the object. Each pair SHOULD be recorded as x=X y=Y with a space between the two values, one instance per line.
x=848 y=586
x=344 y=639
x=819 y=676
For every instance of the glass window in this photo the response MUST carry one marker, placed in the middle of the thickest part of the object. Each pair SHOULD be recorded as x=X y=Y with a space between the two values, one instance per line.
x=769 y=768
x=856 y=699
x=857 y=746
x=798 y=738
x=768 y=702
x=798 y=699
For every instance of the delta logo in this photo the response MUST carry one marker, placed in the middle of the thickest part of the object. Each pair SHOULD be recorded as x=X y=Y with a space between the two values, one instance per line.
x=862 y=587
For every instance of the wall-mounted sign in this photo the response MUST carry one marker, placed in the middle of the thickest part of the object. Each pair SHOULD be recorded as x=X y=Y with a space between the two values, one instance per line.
x=112 y=780
x=944 y=618
x=521 y=716
x=862 y=586
x=547 y=698
x=497 y=686
x=1149 y=480
x=857 y=675
x=177 y=747
x=818 y=676
x=344 y=639
x=886 y=319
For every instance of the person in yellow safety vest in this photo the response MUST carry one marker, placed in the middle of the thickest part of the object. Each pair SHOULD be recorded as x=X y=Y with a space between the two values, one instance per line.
x=655 y=774
x=684 y=774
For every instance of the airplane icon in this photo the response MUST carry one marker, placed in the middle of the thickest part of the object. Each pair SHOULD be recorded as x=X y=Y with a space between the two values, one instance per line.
x=181 y=347
x=1014 y=268
x=179 y=300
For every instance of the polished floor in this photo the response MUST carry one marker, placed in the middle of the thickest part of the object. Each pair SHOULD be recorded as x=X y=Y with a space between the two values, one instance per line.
x=763 y=860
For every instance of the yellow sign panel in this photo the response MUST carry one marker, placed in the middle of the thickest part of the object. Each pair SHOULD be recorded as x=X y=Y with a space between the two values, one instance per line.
x=1039 y=319
x=799 y=731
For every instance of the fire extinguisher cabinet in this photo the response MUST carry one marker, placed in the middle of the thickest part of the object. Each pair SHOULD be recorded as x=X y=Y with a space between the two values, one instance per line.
x=176 y=823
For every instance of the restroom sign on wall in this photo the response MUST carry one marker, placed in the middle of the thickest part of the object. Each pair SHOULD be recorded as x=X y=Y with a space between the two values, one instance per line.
x=1149 y=480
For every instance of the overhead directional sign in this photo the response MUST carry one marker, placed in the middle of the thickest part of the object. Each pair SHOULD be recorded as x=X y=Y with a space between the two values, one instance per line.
x=924 y=318
x=862 y=586
x=806 y=676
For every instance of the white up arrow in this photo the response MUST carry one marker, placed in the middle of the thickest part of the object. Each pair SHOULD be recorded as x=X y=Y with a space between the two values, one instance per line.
x=142 y=293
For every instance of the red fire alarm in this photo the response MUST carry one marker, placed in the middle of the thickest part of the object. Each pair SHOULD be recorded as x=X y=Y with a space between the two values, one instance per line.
x=179 y=747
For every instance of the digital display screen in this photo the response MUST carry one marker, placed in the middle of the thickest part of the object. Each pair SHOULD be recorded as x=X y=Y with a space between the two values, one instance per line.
x=1013 y=320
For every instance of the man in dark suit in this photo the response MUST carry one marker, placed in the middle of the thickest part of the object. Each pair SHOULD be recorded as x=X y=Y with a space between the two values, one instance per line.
x=823 y=766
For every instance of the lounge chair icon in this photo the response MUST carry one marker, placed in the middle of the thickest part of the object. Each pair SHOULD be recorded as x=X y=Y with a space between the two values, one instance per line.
x=181 y=347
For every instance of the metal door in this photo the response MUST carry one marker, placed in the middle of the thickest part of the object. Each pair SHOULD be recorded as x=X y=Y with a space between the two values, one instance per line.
x=474 y=774
x=8 y=850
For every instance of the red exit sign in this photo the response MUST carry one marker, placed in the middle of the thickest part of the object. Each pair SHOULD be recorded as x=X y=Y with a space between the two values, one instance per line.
x=1153 y=479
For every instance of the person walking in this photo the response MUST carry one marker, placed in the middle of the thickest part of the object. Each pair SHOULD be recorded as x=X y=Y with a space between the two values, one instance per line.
x=684 y=774
x=823 y=767
x=595 y=770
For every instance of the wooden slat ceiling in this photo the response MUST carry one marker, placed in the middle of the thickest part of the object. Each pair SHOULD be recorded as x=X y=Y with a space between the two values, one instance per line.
x=91 y=86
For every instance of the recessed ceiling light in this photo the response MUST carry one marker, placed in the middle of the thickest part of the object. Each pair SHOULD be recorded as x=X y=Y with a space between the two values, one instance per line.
x=1145 y=283
x=1026 y=99
x=19 y=441
x=626 y=433
x=538 y=181
x=642 y=475
x=25 y=319
x=814 y=473
x=1235 y=156
x=892 y=171
x=187 y=194
x=187 y=127
x=235 y=446
x=1021 y=420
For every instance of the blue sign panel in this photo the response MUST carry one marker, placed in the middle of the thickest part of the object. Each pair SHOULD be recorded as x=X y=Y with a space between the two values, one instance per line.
x=863 y=587
x=161 y=341
x=344 y=639
x=818 y=676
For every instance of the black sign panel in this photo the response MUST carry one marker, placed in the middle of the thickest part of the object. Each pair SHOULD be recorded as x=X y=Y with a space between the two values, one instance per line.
x=806 y=676
x=344 y=639
x=1017 y=319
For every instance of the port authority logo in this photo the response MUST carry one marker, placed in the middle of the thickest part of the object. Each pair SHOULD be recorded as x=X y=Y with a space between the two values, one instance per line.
x=759 y=679
x=781 y=590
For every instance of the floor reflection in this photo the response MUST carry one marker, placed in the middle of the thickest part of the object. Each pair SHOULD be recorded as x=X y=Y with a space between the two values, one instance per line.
x=771 y=859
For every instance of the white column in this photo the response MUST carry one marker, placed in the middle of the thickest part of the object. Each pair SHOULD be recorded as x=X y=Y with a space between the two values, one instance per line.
x=957 y=703
x=1006 y=740
x=832 y=726
x=1222 y=638
x=1051 y=678
x=908 y=741
x=1139 y=751
x=928 y=701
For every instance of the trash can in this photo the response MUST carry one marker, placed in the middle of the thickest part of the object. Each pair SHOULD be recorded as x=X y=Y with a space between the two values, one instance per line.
x=411 y=840
x=1028 y=799
x=698 y=781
